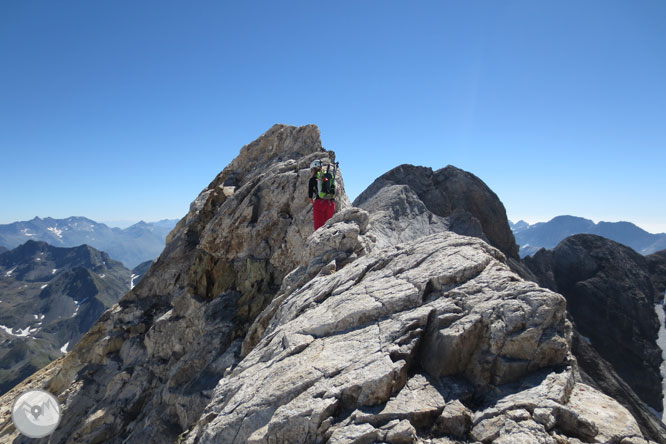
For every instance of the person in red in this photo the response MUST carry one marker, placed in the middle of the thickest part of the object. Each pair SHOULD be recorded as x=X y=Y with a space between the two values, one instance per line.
x=323 y=206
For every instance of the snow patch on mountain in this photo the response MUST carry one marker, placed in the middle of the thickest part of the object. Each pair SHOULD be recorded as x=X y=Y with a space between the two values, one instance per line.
x=132 y=278
x=55 y=231
x=21 y=332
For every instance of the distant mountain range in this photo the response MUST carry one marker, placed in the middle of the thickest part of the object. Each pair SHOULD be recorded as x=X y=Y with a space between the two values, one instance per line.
x=133 y=245
x=49 y=298
x=531 y=238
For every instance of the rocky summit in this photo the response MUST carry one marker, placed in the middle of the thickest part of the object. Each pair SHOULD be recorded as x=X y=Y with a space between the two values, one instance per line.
x=385 y=325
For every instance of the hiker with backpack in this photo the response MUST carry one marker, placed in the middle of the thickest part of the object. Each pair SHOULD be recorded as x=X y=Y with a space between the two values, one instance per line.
x=321 y=192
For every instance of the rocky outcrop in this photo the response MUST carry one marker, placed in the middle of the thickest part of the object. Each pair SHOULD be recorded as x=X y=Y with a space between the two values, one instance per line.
x=448 y=197
x=252 y=328
x=410 y=202
x=611 y=298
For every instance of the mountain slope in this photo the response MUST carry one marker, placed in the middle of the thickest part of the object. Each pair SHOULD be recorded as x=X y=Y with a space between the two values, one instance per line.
x=133 y=245
x=252 y=328
x=49 y=298
x=611 y=298
x=531 y=238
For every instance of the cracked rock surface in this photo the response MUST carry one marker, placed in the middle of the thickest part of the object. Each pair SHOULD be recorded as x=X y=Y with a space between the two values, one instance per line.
x=356 y=339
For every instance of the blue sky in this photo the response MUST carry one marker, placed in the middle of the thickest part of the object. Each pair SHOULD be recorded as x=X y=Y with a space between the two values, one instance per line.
x=128 y=109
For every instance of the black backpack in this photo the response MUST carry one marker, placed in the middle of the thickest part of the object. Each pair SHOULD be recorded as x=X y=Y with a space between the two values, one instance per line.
x=327 y=182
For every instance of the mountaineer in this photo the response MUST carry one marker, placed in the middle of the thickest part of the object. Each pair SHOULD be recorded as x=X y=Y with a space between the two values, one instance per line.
x=321 y=192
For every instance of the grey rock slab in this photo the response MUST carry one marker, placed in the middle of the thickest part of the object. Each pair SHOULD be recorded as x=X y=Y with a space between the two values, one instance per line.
x=519 y=415
x=635 y=440
x=354 y=434
x=418 y=401
x=455 y=420
x=524 y=432
x=611 y=419
x=530 y=394
x=544 y=417
x=401 y=433
x=488 y=430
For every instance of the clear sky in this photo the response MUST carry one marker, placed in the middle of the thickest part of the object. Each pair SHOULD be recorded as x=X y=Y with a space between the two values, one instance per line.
x=126 y=110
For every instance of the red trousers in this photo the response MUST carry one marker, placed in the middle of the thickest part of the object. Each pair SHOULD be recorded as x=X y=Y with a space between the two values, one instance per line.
x=323 y=211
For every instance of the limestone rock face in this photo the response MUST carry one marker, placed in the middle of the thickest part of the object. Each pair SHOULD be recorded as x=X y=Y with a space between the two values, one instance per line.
x=611 y=297
x=385 y=325
x=339 y=356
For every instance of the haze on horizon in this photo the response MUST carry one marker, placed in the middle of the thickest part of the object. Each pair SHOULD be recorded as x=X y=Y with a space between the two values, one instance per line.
x=127 y=110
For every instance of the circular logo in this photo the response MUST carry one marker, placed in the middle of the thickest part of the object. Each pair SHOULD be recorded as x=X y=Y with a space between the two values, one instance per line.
x=36 y=413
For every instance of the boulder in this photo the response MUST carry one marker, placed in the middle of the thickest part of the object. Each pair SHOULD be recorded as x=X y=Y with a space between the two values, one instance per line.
x=455 y=420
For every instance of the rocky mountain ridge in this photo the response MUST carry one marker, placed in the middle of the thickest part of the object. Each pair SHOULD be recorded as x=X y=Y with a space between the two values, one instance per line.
x=383 y=326
x=133 y=245
x=49 y=298
x=531 y=238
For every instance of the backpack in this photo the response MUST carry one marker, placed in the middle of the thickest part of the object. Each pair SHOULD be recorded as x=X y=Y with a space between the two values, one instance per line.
x=326 y=182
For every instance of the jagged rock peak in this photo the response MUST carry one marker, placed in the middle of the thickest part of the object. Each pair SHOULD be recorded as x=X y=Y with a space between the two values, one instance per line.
x=280 y=143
